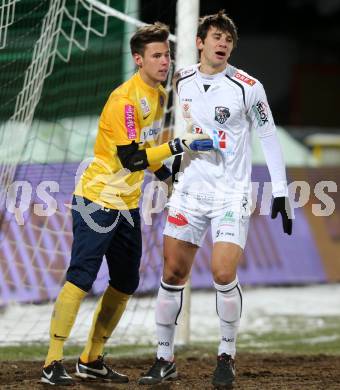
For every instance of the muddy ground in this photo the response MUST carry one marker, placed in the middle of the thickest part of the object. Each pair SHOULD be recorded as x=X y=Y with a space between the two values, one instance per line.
x=254 y=371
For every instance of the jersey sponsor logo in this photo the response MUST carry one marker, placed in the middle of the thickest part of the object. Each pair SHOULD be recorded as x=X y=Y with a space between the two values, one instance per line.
x=223 y=142
x=150 y=133
x=220 y=140
x=130 y=121
x=177 y=219
x=261 y=112
x=245 y=78
x=221 y=114
x=146 y=110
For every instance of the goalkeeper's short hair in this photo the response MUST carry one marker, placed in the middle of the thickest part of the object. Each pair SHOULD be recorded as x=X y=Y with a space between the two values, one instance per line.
x=157 y=32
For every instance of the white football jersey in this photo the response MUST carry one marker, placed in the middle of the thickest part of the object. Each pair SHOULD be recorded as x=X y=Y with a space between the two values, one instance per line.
x=227 y=106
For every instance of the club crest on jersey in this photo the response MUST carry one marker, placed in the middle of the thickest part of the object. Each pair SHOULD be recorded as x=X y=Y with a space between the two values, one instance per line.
x=221 y=114
x=145 y=107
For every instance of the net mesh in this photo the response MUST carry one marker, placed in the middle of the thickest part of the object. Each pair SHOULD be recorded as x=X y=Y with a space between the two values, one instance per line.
x=59 y=62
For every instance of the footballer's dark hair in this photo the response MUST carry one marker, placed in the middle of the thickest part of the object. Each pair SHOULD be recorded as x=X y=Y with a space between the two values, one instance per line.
x=221 y=21
x=157 y=32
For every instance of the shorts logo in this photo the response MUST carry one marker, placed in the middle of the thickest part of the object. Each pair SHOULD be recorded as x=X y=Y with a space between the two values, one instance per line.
x=222 y=233
x=228 y=219
x=130 y=121
x=221 y=114
x=177 y=219
x=245 y=79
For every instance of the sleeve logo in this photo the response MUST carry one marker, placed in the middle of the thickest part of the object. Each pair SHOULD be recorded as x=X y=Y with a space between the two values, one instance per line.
x=261 y=112
x=245 y=79
x=130 y=122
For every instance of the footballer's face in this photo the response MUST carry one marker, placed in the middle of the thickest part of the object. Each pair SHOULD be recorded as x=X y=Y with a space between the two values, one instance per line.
x=215 y=50
x=154 y=63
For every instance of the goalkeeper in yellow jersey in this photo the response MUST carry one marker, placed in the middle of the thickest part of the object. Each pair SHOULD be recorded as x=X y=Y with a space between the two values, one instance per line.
x=105 y=212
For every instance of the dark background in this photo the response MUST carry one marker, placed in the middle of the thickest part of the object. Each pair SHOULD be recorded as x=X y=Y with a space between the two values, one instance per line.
x=293 y=49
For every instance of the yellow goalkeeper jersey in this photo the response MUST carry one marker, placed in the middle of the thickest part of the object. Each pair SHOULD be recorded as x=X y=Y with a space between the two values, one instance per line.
x=133 y=112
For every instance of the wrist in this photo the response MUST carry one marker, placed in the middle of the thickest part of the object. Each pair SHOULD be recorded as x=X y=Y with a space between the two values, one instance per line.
x=163 y=173
x=175 y=146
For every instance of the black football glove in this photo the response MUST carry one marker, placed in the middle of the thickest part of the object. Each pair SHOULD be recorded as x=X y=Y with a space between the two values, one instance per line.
x=281 y=205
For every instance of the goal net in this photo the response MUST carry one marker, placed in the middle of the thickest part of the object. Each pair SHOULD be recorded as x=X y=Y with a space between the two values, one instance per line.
x=60 y=59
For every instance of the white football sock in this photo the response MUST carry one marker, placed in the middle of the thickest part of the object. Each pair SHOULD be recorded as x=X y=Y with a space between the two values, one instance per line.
x=168 y=306
x=229 y=310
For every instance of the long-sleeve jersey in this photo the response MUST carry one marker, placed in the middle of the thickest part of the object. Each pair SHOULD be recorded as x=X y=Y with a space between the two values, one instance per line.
x=227 y=106
x=133 y=113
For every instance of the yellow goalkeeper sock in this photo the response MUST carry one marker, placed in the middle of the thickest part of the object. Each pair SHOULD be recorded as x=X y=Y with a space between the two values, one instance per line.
x=64 y=314
x=109 y=310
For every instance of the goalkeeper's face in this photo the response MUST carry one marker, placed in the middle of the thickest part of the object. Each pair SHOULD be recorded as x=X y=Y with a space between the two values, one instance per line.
x=154 y=63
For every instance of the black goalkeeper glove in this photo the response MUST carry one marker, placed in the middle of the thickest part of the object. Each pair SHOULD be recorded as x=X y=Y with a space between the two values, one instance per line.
x=281 y=205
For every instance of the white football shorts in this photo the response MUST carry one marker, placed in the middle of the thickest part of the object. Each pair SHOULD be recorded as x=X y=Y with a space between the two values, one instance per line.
x=189 y=217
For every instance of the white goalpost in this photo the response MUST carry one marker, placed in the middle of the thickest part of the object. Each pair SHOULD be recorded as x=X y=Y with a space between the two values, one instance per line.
x=186 y=55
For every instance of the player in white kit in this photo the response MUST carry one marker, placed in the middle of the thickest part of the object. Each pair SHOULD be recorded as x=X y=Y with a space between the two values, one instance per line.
x=214 y=189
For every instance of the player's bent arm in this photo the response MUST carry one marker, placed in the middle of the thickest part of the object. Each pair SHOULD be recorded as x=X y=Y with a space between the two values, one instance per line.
x=135 y=159
x=162 y=172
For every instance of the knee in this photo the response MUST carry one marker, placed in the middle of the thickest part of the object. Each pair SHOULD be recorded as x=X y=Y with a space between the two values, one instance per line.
x=224 y=276
x=128 y=286
x=80 y=278
x=174 y=277
x=175 y=272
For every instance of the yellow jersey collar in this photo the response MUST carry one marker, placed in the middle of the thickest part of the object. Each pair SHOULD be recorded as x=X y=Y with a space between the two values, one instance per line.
x=144 y=85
